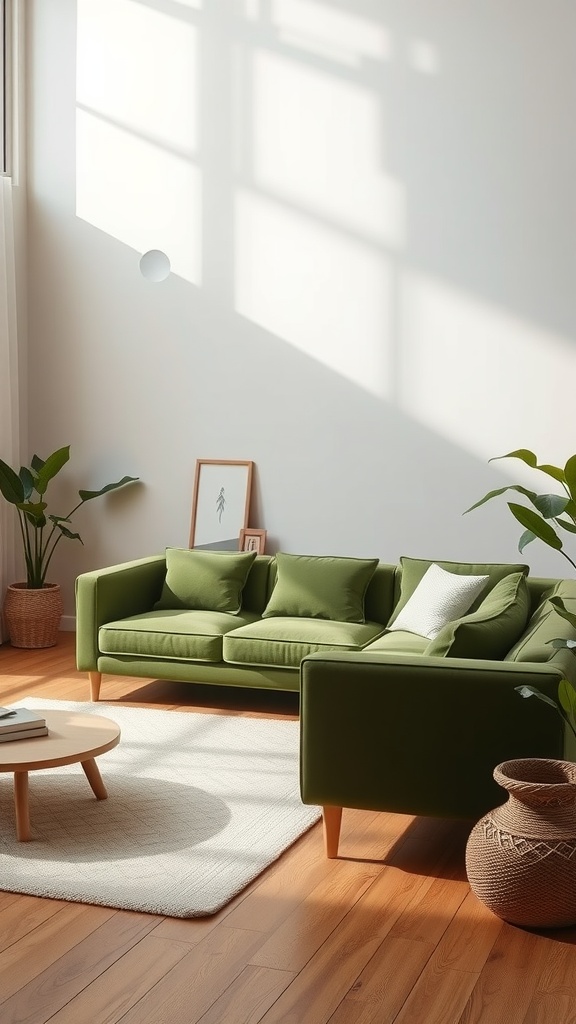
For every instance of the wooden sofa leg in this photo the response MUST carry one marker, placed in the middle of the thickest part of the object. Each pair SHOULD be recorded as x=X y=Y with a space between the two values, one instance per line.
x=95 y=682
x=332 y=821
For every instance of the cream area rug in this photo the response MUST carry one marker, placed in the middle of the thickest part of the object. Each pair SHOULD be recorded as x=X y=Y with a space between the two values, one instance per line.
x=198 y=805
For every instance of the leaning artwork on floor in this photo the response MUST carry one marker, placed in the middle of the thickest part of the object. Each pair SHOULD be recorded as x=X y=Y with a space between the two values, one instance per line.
x=198 y=806
x=220 y=503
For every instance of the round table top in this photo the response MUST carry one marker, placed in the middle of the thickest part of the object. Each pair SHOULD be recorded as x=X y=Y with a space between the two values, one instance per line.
x=71 y=737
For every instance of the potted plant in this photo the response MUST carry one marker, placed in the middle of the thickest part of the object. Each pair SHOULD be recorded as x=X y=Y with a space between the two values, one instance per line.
x=538 y=520
x=32 y=609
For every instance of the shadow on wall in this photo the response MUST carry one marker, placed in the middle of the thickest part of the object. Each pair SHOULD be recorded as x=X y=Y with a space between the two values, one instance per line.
x=382 y=188
x=386 y=190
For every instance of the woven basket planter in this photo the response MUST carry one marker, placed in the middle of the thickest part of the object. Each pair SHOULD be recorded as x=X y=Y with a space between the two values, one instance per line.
x=521 y=857
x=32 y=617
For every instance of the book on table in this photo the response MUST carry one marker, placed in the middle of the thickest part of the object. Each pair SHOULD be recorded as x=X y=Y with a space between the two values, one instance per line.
x=23 y=734
x=21 y=724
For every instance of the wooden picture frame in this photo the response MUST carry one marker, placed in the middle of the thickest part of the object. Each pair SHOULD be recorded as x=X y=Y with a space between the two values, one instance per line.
x=220 y=503
x=252 y=540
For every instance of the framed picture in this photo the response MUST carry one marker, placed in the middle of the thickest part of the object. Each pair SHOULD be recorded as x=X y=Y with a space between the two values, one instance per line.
x=252 y=540
x=220 y=503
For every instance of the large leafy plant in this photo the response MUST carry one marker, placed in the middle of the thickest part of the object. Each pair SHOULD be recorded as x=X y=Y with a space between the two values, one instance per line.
x=42 y=532
x=548 y=518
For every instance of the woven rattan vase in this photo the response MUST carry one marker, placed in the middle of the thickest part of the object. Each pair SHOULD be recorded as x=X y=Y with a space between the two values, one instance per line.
x=32 y=617
x=521 y=857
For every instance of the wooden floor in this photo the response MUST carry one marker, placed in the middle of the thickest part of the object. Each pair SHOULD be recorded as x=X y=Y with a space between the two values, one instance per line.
x=388 y=932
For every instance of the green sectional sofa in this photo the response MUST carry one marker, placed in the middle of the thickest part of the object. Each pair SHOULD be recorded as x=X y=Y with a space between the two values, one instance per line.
x=407 y=700
x=421 y=735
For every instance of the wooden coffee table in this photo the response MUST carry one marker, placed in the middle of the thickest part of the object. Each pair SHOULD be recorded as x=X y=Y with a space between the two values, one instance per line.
x=72 y=737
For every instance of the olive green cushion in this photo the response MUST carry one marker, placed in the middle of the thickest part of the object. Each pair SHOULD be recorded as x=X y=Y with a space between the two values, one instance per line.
x=492 y=629
x=173 y=634
x=399 y=642
x=413 y=569
x=283 y=642
x=205 y=580
x=320 y=587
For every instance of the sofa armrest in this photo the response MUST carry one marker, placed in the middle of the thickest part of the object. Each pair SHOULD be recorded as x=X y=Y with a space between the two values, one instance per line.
x=113 y=593
x=419 y=735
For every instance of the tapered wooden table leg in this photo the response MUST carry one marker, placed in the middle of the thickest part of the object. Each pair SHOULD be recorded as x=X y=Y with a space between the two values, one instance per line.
x=332 y=821
x=92 y=773
x=23 y=830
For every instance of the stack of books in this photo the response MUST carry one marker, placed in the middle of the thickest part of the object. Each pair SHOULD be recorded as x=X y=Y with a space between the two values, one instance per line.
x=21 y=724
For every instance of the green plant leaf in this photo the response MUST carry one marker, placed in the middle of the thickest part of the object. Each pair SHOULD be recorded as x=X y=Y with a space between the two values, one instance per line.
x=50 y=467
x=27 y=481
x=570 y=527
x=531 y=495
x=526 y=538
x=33 y=509
x=567 y=698
x=560 y=607
x=570 y=476
x=550 y=505
x=532 y=691
x=559 y=644
x=68 y=533
x=88 y=495
x=533 y=522
x=10 y=484
x=525 y=455
x=553 y=471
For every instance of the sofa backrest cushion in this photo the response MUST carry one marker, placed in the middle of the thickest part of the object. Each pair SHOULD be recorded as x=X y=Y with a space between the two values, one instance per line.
x=547 y=624
x=413 y=570
x=380 y=595
x=259 y=584
x=439 y=598
x=320 y=587
x=492 y=629
x=205 y=580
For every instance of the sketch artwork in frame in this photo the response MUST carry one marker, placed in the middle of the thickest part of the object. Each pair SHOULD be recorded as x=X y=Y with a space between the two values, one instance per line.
x=252 y=540
x=220 y=504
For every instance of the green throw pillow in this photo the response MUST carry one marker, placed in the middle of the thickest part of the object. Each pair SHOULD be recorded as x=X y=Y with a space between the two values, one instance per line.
x=205 y=580
x=413 y=570
x=320 y=587
x=492 y=629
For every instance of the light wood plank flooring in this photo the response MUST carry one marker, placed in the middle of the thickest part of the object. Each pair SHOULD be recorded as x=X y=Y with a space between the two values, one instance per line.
x=389 y=932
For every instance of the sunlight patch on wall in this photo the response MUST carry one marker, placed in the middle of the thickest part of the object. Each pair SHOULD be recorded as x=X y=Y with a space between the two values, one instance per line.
x=314 y=288
x=482 y=377
x=139 y=193
x=318 y=142
x=137 y=129
x=338 y=35
x=138 y=67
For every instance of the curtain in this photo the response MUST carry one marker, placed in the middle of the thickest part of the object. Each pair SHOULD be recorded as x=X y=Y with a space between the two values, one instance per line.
x=10 y=543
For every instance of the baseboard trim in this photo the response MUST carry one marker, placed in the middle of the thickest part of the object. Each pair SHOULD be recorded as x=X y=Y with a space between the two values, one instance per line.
x=68 y=624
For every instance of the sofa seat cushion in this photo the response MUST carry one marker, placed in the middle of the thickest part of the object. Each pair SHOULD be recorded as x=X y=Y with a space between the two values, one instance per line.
x=283 y=642
x=399 y=641
x=178 y=634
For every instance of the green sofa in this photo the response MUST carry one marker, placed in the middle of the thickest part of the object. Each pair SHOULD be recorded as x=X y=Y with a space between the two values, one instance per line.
x=421 y=735
x=390 y=719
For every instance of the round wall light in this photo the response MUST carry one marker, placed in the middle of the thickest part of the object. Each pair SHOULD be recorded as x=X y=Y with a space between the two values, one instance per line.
x=155 y=265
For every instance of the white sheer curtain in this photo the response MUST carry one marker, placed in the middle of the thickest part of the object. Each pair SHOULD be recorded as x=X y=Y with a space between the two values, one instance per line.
x=10 y=545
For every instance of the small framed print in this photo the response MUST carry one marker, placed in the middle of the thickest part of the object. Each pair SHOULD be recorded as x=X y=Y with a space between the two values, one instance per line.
x=252 y=540
x=220 y=504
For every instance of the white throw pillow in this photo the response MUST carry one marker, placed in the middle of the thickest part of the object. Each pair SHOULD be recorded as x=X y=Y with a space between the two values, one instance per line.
x=439 y=598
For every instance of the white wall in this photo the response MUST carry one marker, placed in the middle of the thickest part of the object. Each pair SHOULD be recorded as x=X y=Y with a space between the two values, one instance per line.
x=370 y=212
